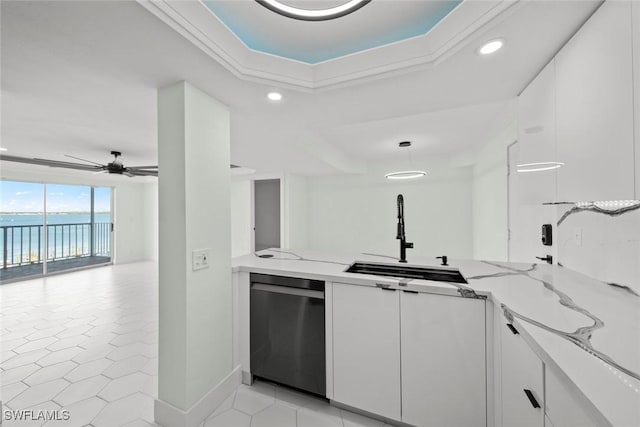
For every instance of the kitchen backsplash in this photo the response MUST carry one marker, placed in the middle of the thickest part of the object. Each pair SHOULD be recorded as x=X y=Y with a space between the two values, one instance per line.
x=601 y=240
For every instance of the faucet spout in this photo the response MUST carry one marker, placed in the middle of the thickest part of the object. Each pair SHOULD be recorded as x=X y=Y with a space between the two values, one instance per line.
x=404 y=245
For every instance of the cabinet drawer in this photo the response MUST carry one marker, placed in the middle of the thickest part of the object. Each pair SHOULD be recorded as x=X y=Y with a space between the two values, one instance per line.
x=522 y=381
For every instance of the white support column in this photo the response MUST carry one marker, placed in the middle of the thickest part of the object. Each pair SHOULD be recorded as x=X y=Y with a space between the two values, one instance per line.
x=195 y=343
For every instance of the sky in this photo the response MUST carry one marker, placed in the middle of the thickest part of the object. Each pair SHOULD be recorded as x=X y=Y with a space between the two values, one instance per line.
x=27 y=197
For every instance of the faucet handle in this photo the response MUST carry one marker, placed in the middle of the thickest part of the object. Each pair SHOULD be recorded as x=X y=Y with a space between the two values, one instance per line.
x=408 y=245
x=443 y=258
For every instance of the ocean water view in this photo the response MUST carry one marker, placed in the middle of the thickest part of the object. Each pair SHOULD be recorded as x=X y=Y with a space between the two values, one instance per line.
x=68 y=235
x=30 y=218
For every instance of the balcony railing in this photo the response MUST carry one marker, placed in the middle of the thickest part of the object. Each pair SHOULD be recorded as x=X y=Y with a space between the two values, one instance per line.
x=24 y=244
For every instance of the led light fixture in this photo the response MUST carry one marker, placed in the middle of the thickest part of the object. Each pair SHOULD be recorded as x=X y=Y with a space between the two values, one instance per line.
x=407 y=174
x=313 y=14
x=539 y=167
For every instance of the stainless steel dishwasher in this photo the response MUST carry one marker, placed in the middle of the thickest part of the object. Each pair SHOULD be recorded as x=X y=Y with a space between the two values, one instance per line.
x=287 y=331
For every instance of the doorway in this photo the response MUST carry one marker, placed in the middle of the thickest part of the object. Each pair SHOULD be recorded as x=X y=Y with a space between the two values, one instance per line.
x=266 y=214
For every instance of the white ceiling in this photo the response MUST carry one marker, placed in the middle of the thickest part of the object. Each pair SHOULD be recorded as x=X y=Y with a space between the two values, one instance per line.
x=80 y=78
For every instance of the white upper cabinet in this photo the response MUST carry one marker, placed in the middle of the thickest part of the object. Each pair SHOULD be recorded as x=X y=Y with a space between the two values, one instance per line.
x=594 y=109
x=443 y=360
x=636 y=86
x=537 y=139
x=366 y=349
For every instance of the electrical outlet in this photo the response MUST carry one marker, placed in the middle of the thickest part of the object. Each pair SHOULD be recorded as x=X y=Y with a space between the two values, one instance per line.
x=577 y=236
x=200 y=259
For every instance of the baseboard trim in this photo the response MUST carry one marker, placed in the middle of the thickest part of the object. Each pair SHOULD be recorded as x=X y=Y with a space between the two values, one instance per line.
x=247 y=378
x=168 y=415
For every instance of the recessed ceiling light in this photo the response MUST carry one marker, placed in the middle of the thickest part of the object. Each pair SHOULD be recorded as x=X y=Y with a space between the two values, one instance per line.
x=313 y=14
x=274 y=96
x=491 y=47
x=3 y=149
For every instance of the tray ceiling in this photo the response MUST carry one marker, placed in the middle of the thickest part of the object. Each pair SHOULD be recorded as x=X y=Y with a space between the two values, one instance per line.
x=376 y=24
x=380 y=39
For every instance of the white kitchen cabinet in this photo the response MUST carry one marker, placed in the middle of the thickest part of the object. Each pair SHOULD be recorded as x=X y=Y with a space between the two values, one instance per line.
x=594 y=109
x=522 y=373
x=443 y=360
x=547 y=422
x=366 y=349
x=562 y=405
x=537 y=138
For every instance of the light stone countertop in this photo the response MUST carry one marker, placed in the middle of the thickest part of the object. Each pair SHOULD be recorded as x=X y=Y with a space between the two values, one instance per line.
x=589 y=329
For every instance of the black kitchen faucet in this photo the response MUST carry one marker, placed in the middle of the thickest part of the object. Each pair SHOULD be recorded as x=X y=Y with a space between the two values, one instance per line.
x=401 y=236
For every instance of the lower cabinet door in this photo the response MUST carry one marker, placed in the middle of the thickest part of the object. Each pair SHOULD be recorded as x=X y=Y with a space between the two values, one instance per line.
x=366 y=349
x=562 y=405
x=443 y=360
x=522 y=386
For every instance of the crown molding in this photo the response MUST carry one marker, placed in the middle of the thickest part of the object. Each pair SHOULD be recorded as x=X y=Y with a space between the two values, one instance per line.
x=194 y=21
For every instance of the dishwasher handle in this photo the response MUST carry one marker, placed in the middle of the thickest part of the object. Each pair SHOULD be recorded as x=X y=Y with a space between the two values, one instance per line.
x=285 y=290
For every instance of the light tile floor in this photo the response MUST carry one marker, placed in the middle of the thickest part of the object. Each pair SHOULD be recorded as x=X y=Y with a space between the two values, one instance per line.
x=87 y=342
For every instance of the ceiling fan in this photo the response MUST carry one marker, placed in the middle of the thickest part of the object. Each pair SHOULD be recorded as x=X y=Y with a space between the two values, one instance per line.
x=116 y=166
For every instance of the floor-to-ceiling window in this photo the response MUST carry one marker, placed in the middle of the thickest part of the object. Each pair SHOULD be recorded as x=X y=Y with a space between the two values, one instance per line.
x=21 y=230
x=78 y=225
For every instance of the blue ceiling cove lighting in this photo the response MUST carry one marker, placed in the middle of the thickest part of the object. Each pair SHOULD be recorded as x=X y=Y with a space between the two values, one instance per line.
x=313 y=14
x=342 y=40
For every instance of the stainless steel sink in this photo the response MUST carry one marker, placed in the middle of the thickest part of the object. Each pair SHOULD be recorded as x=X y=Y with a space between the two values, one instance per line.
x=403 y=271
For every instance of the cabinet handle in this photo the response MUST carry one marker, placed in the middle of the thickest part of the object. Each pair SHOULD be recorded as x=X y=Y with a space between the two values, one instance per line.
x=385 y=287
x=388 y=289
x=532 y=398
x=513 y=329
x=410 y=292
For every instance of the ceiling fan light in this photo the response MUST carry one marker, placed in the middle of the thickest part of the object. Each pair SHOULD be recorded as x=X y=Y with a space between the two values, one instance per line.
x=313 y=14
x=405 y=175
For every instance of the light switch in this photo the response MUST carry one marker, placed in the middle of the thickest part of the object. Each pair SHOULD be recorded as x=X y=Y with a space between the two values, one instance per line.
x=200 y=259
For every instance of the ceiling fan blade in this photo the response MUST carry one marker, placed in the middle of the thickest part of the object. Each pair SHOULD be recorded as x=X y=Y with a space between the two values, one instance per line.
x=143 y=167
x=137 y=172
x=102 y=171
x=51 y=163
x=84 y=160
x=129 y=174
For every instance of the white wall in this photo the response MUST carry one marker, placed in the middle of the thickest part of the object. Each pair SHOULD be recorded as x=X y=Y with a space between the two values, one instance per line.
x=241 y=225
x=359 y=214
x=296 y=211
x=129 y=224
x=130 y=215
x=150 y=209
